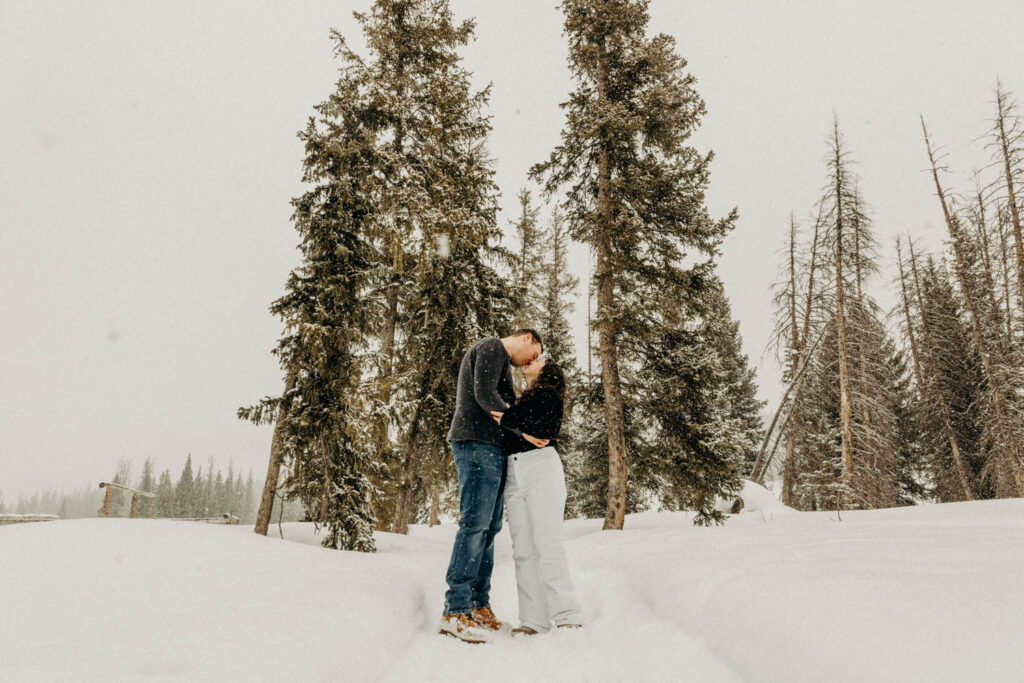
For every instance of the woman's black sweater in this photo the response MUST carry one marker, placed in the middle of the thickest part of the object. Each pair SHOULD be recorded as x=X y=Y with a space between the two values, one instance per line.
x=537 y=413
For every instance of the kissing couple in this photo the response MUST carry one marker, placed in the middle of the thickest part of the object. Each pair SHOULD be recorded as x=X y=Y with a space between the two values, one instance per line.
x=504 y=451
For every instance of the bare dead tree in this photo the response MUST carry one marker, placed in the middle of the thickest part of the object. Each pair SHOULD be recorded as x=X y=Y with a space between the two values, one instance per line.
x=838 y=164
x=799 y=336
x=1007 y=143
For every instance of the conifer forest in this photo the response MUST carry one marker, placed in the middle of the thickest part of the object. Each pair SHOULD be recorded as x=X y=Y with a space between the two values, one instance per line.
x=922 y=401
x=549 y=340
x=403 y=269
x=901 y=364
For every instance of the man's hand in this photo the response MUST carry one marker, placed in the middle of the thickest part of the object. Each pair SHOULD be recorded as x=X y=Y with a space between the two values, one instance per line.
x=539 y=443
x=497 y=416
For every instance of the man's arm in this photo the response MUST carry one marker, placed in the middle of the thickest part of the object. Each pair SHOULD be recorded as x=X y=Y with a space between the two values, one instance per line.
x=487 y=370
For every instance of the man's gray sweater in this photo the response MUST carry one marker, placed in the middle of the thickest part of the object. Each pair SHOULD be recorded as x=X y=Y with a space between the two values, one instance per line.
x=485 y=384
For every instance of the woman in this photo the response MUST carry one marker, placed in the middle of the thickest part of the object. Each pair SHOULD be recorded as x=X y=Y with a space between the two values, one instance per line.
x=535 y=501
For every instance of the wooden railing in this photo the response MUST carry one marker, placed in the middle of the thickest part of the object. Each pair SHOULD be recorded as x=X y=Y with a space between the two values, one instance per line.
x=135 y=498
x=20 y=519
x=226 y=518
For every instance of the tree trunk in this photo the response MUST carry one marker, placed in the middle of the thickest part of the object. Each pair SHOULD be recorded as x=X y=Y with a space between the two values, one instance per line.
x=325 y=497
x=990 y=281
x=387 y=351
x=435 y=506
x=865 y=409
x=845 y=415
x=590 y=340
x=789 y=471
x=274 y=467
x=1005 y=264
x=805 y=352
x=613 y=404
x=1004 y=145
x=403 y=505
x=761 y=463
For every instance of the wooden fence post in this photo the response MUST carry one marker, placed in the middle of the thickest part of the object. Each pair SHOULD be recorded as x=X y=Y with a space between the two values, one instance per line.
x=135 y=498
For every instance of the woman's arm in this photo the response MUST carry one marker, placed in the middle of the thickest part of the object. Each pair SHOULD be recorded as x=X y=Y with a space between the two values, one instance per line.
x=538 y=414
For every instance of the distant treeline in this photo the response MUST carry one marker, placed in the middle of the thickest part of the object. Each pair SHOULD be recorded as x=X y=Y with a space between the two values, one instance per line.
x=195 y=493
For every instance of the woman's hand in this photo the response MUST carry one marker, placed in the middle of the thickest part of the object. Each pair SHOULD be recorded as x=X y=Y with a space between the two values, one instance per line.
x=539 y=443
x=497 y=416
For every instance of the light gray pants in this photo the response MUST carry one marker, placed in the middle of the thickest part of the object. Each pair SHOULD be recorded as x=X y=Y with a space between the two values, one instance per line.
x=535 y=501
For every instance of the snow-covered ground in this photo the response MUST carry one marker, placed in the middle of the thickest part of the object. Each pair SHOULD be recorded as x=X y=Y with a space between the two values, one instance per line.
x=931 y=593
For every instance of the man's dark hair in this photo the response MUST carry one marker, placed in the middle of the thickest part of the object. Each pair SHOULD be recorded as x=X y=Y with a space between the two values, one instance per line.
x=533 y=333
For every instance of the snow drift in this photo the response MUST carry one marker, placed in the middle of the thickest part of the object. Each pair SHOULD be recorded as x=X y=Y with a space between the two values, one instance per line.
x=926 y=593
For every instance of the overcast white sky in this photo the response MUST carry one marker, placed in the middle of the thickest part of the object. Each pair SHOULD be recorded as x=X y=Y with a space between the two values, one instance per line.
x=148 y=155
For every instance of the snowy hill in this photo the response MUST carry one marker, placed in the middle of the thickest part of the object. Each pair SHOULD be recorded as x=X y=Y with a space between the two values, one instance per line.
x=930 y=593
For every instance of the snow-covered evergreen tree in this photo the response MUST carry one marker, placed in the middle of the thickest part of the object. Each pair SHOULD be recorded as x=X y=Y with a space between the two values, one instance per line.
x=146 y=480
x=184 y=491
x=999 y=360
x=723 y=332
x=249 y=501
x=456 y=295
x=700 y=399
x=165 y=503
x=556 y=295
x=846 y=411
x=955 y=370
x=528 y=265
x=400 y=241
x=635 y=195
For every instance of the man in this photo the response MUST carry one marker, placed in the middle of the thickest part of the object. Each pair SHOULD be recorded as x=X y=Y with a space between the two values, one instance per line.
x=485 y=384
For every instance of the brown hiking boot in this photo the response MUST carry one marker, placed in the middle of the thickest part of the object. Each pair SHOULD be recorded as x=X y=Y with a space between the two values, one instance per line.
x=485 y=617
x=523 y=631
x=463 y=627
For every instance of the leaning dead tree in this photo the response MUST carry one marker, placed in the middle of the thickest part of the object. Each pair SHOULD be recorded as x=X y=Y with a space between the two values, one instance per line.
x=276 y=458
x=838 y=166
x=764 y=455
x=1007 y=143
x=802 y=356
x=797 y=355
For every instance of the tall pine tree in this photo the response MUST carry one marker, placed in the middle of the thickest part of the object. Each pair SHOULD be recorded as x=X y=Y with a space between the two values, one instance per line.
x=184 y=491
x=400 y=238
x=635 y=195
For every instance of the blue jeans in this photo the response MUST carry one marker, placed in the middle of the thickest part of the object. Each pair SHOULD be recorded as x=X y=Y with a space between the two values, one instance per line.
x=481 y=469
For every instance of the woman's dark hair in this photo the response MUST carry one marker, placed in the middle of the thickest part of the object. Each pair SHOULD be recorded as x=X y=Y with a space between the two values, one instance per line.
x=550 y=377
